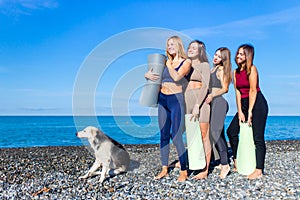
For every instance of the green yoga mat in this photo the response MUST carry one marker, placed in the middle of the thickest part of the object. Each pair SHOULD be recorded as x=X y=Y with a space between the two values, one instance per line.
x=196 y=153
x=245 y=159
x=149 y=95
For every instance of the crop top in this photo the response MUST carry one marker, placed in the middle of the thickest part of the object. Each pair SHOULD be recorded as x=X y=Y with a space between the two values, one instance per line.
x=242 y=83
x=197 y=72
x=214 y=81
x=166 y=77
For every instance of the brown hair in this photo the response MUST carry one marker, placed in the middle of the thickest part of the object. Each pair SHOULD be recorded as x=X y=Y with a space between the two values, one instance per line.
x=249 y=53
x=226 y=62
x=201 y=49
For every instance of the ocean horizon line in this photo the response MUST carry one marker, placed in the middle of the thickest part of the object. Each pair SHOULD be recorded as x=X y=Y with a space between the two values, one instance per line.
x=67 y=115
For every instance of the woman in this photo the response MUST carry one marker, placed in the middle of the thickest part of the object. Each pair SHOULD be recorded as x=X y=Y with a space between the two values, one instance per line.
x=171 y=107
x=252 y=107
x=220 y=78
x=196 y=93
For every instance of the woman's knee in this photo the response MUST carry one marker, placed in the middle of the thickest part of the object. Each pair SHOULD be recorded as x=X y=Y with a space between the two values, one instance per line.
x=233 y=130
x=230 y=133
x=178 y=142
x=215 y=135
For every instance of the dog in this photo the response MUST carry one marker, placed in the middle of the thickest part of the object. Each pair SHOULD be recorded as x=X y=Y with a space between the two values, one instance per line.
x=109 y=153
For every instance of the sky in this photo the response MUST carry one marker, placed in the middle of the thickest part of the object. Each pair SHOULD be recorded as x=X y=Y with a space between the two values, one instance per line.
x=89 y=57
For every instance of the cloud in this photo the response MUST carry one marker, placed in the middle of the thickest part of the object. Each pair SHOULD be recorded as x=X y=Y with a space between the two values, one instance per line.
x=253 y=26
x=25 y=7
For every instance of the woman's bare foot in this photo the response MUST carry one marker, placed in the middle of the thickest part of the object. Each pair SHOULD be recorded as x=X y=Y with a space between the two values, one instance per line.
x=201 y=175
x=224 y=171
x=163 y=173
x=256 y=174
x=218 y=166
x=182 y=176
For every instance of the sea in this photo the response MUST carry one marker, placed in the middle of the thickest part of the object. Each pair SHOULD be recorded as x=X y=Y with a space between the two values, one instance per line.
x=41 y=131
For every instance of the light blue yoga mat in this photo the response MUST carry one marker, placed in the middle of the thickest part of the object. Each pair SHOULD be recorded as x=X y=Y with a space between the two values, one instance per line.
x=196 y=153
x=245 y=159
x=149 y=95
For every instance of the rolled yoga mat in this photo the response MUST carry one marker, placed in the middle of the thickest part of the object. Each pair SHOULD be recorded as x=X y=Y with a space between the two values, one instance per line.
x=149 y=95
x=196 y=153
x=245 y=158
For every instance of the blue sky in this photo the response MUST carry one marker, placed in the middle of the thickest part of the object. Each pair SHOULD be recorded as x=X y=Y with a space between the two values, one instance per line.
x=60 y=57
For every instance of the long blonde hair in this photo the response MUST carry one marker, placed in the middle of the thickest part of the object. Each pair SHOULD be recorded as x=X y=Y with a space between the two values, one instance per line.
x=178 y=42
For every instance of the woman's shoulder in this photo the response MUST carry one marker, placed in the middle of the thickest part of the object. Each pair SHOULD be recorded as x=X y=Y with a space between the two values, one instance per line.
x=253 y=67
x=221 y=68
x=205 y=65
x=188 y=60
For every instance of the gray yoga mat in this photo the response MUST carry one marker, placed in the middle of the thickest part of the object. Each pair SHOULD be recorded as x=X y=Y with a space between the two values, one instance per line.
x=149 y=95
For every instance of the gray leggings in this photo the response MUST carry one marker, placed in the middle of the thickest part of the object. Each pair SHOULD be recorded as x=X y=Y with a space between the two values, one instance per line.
x=219 y=108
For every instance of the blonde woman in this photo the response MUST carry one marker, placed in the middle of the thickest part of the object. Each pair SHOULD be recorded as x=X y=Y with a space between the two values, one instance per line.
x=171 y=107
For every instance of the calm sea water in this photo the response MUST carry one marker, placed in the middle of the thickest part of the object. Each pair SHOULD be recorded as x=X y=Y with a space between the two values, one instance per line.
x=31 y=131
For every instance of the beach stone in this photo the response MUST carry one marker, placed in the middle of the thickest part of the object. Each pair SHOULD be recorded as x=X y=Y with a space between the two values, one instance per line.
x=52 y=173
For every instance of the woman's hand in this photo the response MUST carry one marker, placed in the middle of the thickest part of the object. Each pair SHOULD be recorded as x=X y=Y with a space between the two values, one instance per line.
x=249 y=121
x=241 y=117
x=195 y=112
x=151 y=76
x=208 y=98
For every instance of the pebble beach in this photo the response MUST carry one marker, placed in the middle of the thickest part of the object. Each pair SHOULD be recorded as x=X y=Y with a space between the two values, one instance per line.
x=52 y=173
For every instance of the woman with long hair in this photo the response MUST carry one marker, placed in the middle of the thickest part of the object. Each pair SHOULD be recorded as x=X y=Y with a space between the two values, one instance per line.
x=171 y=107
x=220 y=79
x=252 y=107
x=195 y=95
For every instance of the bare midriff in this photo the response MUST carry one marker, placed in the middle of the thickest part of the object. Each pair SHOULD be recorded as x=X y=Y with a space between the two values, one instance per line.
x=194 y=85
x=170 y=88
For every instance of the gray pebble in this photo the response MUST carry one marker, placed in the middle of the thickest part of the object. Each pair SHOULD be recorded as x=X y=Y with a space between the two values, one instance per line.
x=52 y=173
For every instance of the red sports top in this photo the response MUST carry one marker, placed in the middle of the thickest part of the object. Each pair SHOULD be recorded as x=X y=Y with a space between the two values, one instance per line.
x=242 y=83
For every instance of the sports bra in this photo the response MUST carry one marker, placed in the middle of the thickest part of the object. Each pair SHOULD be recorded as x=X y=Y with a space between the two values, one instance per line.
x=196 y=73
x=166 y=77
x=214 y=81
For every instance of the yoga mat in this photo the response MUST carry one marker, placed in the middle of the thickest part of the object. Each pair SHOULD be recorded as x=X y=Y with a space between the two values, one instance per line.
x=149 y=95
x=245 y=159
x=196 y=154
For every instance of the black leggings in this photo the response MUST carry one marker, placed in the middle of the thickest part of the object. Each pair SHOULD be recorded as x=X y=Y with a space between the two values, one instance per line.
x=259 y=119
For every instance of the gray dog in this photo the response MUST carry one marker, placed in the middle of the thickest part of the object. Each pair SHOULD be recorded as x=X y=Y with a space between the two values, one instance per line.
x=109 y=153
